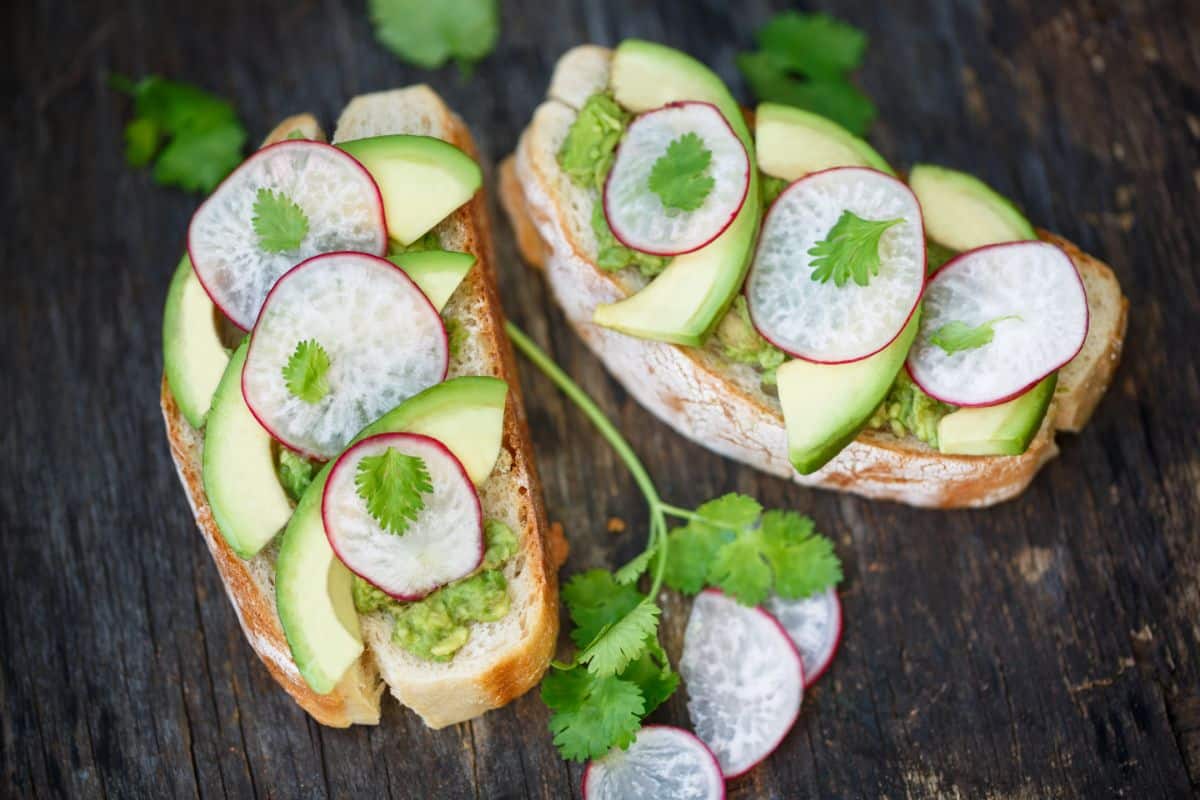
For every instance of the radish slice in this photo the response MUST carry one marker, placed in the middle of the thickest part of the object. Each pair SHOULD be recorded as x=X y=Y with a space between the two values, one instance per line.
x=384 y=342
x=636 y=213
x=444 y=542
x=338 y=197
x=663 y=762
x=824 y=322
x=1034 y=299
x=815 y=626
x=744 y=680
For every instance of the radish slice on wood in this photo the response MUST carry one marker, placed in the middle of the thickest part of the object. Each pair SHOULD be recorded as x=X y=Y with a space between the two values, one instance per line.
x=821 y=321
x=664 y=762
x=1028 y=294
x=815 y=626
x=341 y=207
x=442 y=544
x=636 y=213
x=744 y=680
x=382 y=339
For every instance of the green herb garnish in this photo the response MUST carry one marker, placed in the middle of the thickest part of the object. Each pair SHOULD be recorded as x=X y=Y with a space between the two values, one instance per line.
x=279 y=223
x=679 y=176
x=429 y=34
x=392 y=484
x=956 y=336
x=849 y=250
x=307 y=372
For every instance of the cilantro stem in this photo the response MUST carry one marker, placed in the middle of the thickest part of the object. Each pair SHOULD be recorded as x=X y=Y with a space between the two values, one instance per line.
x=657 y=539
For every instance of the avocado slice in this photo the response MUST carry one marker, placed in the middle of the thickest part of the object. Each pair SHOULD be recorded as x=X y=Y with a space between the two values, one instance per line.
x=792 y=143
x=826 y=405
x=313 y=590
x=193 y=357
x=686 y=301
x=436 y=272
x=962 y=212
x=422 y=180
x=1001 y=430
x=248 y=503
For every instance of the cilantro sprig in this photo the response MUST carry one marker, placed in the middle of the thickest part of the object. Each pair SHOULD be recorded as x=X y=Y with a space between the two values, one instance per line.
x=805 y=60
x=620 y=672
x=680 y=175
x=956 y=335
x=849 y=250
x=306 y=372
x=392 y=484
x=279 y=223
x=195 y=135
x=430 y=34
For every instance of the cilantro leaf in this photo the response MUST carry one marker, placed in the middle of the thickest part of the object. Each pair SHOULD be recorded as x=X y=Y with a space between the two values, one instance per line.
x=652 y=673
x=849 y=250
x=306 y=372
x=595 y=601
x=392 y=484
x=816 y=45
x=693 y=549
x=430 y=34
x=679 y=176
x=622 y=641
x=631 y=571
x=731 y=510
x=803 y=562
x=204 y=138
x=740 y=570
x=956 y=336
x=592 y=714
x=280 y=224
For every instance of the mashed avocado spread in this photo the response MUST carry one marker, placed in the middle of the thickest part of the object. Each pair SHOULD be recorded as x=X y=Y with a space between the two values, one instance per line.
x=437 y=626
x=586 y=156
x=908 y=411
x=738 y=340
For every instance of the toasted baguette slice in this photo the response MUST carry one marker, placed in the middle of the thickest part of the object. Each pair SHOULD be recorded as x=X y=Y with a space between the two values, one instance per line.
x=720 y=404
x=503 y=659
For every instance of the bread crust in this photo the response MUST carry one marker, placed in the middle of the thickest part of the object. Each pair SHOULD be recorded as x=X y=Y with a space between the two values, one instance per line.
x=356 y=699
x=691 y=390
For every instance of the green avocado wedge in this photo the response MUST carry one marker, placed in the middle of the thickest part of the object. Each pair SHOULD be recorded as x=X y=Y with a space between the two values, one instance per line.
x=248 y=503
x=1001 y=430
x=686 y=301
x=792 y=143
x=436 y=272
x=313 y=590
x=826 y=405
x=422 y=180
x=193 y=357
x=962 y=212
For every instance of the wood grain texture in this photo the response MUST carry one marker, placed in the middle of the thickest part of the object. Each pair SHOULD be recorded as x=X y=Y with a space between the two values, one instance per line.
x=1049 y=647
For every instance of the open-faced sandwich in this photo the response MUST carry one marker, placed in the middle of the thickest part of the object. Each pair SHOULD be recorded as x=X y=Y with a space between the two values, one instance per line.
x=343 y=410
x=771 y=288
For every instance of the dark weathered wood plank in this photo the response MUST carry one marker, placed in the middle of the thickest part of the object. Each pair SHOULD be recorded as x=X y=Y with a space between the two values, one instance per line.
x=1048 y=647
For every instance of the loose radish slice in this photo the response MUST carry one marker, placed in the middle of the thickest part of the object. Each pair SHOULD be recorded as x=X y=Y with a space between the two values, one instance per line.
x=444 y=542
x=664 y=762
x=384 y=343
x=815 y=626
x=636 y=213
x=824 y=322
x=1033 y=298
x=744 y=680
x=340 y=202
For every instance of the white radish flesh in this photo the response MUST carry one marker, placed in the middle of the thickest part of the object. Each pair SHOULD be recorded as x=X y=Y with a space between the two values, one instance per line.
x=664 y=762
x=384 y=341
x=637 y=215
x=445 y=541
x=1032 y=297
x=340 y=202
x=744 y=680
x=815 y=627
x=821 y=321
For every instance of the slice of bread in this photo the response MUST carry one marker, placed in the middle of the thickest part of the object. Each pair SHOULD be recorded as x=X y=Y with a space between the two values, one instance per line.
x=503 y=659
x=720 y=404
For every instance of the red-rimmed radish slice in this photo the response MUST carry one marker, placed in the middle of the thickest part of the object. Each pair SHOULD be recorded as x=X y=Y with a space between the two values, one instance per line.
x=664 y=762
x=383 y=340
x=1033 y=299
x=815 y=625
x=637 y=215
x=744 y=680
x=442 y=544
x=821 y=321
x=342 y=209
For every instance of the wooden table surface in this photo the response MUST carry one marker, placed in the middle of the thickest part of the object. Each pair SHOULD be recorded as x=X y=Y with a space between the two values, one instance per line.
x=1045 y=648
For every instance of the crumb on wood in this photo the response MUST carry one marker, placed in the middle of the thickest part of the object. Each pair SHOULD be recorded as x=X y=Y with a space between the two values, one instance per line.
x=616 y=525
